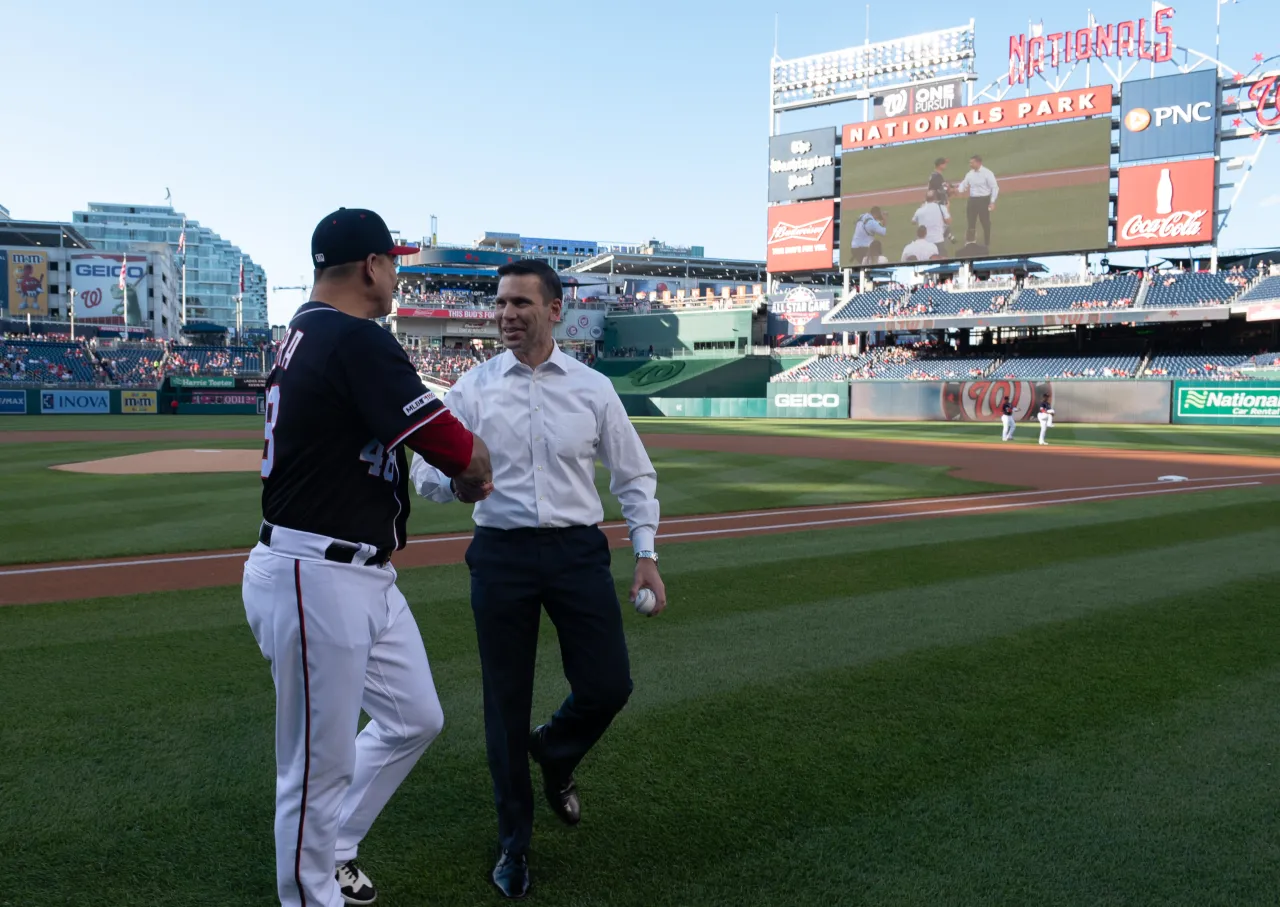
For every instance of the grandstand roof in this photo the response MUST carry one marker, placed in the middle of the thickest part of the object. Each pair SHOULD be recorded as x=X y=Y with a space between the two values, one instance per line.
x=1247 y=259
x=1007 y=266
x=673 y=266
x=41 y=233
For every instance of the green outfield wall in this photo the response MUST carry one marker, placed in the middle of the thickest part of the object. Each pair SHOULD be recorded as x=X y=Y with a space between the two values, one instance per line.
x=666 y=331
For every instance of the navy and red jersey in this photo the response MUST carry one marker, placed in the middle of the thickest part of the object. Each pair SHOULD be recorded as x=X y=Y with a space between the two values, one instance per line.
x=1045 y=407
x=1006 y=408
x=341 y=399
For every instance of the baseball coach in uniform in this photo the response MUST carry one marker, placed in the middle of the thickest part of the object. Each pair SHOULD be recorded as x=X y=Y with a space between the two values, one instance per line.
x=546 y=417
x=319 y=592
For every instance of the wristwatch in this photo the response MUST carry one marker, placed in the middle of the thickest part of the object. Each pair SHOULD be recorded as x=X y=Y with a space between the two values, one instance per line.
x=651 y=555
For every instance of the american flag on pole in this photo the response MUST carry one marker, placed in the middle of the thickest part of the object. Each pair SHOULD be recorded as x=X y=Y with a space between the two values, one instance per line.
x=182 y=238
x=124 y=266
x=242 y=275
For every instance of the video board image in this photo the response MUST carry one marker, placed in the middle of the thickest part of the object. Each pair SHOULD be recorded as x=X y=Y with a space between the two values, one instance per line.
x=1033 y=191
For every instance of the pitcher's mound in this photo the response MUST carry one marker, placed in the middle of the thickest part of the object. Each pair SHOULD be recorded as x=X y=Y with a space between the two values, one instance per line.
x=160 y=462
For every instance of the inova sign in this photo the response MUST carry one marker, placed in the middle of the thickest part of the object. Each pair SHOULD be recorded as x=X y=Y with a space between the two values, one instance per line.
x=807 y=401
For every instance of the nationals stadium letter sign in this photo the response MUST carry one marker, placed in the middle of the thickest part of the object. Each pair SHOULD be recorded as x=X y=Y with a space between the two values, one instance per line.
x=1045 y=108
x=1165 y=204
x=1154 y=41
x=801 y=236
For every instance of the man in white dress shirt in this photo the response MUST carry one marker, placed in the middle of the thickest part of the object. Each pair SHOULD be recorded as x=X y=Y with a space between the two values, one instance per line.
x=919 y=249
x=546 y=418
x=981 y=187
x=935 y=218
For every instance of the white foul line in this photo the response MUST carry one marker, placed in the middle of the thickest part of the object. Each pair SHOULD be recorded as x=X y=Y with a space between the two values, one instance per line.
x=904 y=516
x=744 y=515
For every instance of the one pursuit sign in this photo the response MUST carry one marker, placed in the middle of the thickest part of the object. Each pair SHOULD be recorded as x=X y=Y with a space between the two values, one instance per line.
x=1227 y=403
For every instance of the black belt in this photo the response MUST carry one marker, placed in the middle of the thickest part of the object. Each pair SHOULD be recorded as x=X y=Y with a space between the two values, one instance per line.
x=338 y=552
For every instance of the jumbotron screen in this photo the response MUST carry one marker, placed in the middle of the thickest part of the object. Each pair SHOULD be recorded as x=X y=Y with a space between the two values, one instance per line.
x=1033 y=191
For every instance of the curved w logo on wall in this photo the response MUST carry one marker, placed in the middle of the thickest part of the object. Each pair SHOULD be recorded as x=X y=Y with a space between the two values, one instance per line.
x=980 y=401
x=655 y=373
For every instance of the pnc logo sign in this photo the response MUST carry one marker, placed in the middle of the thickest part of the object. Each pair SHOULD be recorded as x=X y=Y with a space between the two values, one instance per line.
x=807 y=401
x=1139 y=118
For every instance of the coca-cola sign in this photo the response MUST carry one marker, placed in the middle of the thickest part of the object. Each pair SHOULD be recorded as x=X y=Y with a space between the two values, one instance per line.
x=1178 y=227
x=1166 y=204
x=801 y=236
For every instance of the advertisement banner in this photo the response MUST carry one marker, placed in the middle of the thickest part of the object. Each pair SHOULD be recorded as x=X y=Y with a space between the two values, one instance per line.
x=4 y=284
x=95 y=276
x=75 y=402
x=1045 y=108
x=225 y=399
x=1039 y=191
x=917 y=99
x=579 y=325
x=802 y=165
x=137 y=402
x=1166 y=204
x=405 y=311
x=1226 y=403
x=1265 y=311
x=799 y=311
x=979 y=400
x=801 y=237
x=211 y=381
x=27 y=283
x=13 y=403
x=1170 y=116
x=807 y=400
x=1118 y=316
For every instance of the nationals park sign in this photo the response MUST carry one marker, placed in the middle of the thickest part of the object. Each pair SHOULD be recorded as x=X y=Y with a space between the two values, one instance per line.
x=1045 y=108
x=1141 y=38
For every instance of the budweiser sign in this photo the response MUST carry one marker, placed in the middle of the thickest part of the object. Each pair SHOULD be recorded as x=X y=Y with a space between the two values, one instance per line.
x=1178 y=226
x=1166 y=204
x=801 y=236
x=811 y=231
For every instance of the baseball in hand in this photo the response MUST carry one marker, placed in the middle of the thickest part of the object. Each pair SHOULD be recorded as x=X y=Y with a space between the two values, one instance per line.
x=646 y=601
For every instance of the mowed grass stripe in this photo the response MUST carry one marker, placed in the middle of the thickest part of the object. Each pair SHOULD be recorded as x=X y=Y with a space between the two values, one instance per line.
x=689 y=795
x=1223 y=439
x=70 y=516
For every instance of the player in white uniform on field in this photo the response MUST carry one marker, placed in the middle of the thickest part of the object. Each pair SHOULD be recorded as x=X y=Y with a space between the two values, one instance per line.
x=1046 y=418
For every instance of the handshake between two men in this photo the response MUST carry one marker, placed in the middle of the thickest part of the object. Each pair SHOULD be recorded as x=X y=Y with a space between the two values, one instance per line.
x=475 y=483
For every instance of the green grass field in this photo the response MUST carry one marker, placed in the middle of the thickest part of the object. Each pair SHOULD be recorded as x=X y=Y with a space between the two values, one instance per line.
x=1026 y=221
x=52 y=515
x=1072 y=706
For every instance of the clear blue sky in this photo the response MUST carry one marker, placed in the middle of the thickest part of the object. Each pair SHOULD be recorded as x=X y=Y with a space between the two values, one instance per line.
x=584 y=121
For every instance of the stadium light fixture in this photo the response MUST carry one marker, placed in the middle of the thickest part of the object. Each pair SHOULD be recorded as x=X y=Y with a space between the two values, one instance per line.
x=829 y=78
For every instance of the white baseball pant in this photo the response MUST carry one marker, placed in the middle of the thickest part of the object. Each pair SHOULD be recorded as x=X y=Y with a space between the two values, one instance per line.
x=1046 y=420
x=339 y=637
x=1008 y=425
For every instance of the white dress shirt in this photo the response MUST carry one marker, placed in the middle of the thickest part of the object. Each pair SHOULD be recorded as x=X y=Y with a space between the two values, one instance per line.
x=544 y=428
x=919 y=250
x=980 y=183
x=933 y=217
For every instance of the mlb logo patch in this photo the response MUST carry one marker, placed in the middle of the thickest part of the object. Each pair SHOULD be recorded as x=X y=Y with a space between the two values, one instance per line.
x=413 y=406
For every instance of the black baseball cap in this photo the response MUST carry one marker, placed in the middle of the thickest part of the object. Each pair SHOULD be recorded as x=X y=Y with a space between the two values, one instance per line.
x=353 y=234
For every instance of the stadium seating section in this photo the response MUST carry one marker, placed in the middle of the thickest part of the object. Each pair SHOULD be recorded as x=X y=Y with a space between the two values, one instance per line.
x=1069 y=367
x=1185 y=291
x=1267 y=289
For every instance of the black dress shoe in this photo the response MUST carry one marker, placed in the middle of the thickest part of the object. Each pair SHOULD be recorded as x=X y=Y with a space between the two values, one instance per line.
x=561 y=791
x=511 y=875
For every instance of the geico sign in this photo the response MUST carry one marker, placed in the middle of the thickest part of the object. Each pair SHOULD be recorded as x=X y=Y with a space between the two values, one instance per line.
x=813 y=401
